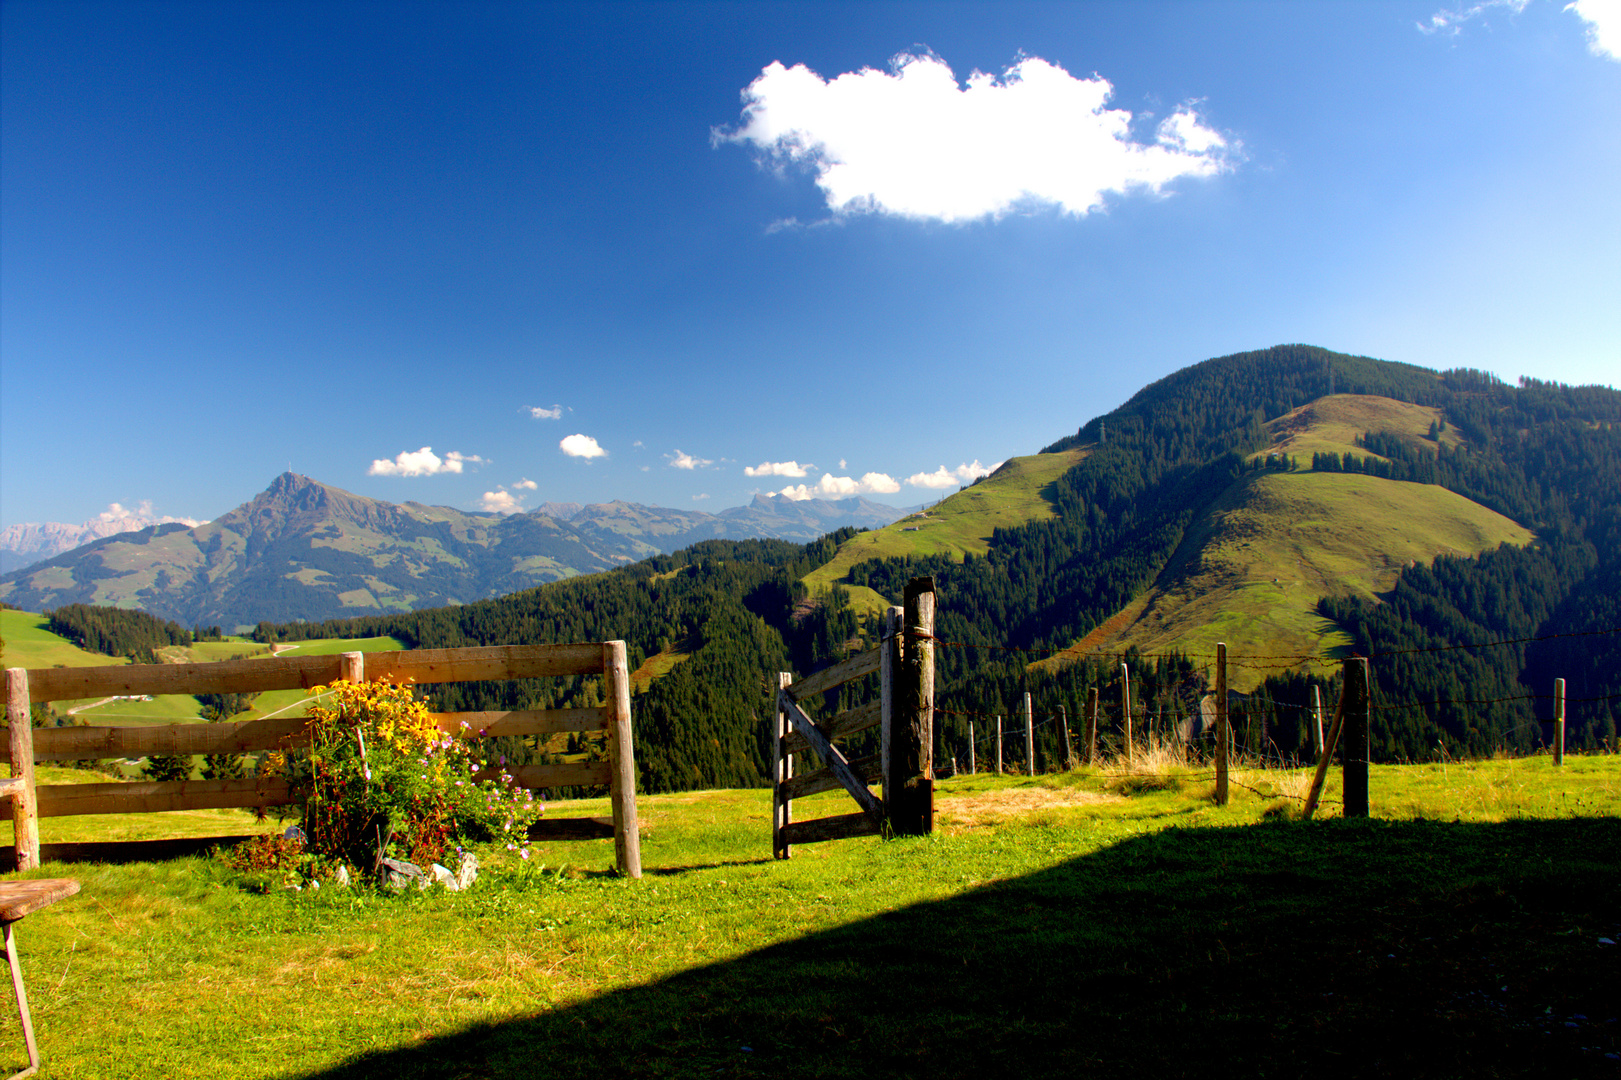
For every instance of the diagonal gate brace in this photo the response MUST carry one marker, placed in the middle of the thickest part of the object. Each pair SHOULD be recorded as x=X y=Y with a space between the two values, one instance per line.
x=836 y=761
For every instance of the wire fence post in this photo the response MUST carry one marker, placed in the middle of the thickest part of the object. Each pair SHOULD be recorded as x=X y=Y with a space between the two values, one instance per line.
x=1125 y=710
x=1223 y=728
x=909 y=788
x=971 y=769
x=1063 y=729
x=1089 y=740
x=1358 y=738
x=1029 y=738
x=1317 y=722
x=999 y=746
x=1559 y=721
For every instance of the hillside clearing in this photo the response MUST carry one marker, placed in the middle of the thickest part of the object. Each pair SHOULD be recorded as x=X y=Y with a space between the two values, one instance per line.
x=1057 y=940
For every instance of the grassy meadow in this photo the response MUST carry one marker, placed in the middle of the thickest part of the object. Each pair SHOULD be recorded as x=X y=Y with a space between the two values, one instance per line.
x=1103 y=922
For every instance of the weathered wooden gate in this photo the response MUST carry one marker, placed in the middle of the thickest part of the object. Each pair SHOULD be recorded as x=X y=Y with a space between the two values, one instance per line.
x=904 y=659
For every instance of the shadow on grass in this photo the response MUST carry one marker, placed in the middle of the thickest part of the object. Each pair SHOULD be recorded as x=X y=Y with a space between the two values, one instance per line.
x=670 y=871
x=1286 y=949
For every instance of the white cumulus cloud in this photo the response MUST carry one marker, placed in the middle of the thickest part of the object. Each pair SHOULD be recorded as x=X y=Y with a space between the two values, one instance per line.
x=842 y=487
x=422 y=462
x=581 y=446
x=540 y=412
x=526 y=485
x=944 y=477
x=682 y=460
x=777 y=468
x=500 y=501
x=1603 y=19
x=913 y=142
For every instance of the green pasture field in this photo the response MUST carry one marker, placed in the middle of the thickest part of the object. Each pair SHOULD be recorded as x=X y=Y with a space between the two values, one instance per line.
x=1096 y=923
x=30 y=645
x=333 y=646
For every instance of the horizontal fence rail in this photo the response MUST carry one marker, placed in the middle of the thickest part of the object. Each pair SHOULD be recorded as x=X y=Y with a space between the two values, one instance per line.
x=24 y=802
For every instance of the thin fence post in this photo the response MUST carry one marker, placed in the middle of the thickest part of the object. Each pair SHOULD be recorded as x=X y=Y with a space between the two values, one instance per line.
x=1559 y=721
x=1357 y=737
x=25 y=804
x=1125 y=711
x=1063 y=728
x=889 y=666
x=622 y=760
x=999 y=745
x=1089 y=740
x=971 y=769
x=782 y=770
x=352 y=667
x=1317 y=722
x=1029 y=738
x=1222 y=726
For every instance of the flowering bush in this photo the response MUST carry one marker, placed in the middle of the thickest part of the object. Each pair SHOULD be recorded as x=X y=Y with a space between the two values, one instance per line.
x=385 y=780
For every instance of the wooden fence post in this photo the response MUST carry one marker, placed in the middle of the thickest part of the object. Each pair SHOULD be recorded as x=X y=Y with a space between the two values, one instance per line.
x=622 y=760
x=782 y=770
x=1222 y=725
x=352 y=667
x=25 y=804
x=911 y=753
x=1315 y=791
x=1559 y=721
x=1029 y=738
x=1317 y=723
x=890 y=642
x=971 y=769
x=1089 y=740
x=998 y=745
x=1125 y=710
x=1063 y=728
x=1358 y=738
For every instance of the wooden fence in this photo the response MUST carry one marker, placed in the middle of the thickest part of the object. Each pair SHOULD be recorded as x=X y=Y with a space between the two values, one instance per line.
x=904 y=713
x=422 y=666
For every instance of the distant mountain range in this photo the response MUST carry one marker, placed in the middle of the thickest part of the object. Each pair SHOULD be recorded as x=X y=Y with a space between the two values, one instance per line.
x=304 y=550
x=28 y=543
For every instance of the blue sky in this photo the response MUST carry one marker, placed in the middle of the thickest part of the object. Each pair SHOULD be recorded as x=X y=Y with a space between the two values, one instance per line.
x=238 y=238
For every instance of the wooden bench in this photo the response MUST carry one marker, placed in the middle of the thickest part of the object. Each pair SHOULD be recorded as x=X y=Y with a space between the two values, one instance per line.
x=17 y=900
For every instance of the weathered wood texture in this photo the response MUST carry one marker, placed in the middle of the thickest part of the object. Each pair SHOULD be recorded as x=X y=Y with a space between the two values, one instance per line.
x=302 y=672
x=20 y=898
x=909 y=786
x=845 y=723
x=1063 y=739
x=1089 y=739
x=1125 y=710
x=814 y=783
x=622 y=757
x=833 y=756
x=154 y=796
x=844 y=671
x=1223 y=730
x=1029 y=737
x=782 y=769
x=842 y=827
x=535 y=777
x=1315 y=791
x=1358 y=737
x=22 y=804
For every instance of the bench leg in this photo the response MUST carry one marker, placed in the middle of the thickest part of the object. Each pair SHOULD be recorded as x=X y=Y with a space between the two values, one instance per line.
x=22 y=1007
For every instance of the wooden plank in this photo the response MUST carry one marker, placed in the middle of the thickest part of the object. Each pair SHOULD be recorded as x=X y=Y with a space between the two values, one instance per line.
x=302 y=672
x=491 y=725
x=71 y=743
x=23 y=804
x=843 y=827
x=534 y=777
x=20 y=898
x=128 y=851
x=833 y=756
x=485 y=662
x=861 y=664
x=622 y=757
x=869 y=768
x=152 y=796
x=578 y=828
x=845 y=723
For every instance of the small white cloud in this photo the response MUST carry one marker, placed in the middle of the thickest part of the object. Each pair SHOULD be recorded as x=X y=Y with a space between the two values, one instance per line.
x=526 y=485
x=540 y=412
x=843 y=464
x=423 y=462
x=500 y=501
x=842 y=487
x=682 y=460
x=944 y=477
x=142 y=515
x=696 y=498
x=778 y=468
x=1603 y=19
x=637 y=444
x=1449 y=21
x=913 y=142
x=583 y=446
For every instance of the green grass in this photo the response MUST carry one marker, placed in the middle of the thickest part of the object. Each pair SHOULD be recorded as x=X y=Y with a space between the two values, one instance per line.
x=960 y=524
x=30 y=645
x=333 y=646
x=1055 y=925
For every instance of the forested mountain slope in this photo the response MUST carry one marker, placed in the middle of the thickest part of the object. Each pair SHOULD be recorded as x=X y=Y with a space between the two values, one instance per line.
x=1513 y=463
